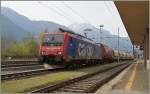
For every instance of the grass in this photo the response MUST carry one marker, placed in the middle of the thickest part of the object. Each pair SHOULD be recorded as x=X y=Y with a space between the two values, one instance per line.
x=12 y=86
x=22 y=84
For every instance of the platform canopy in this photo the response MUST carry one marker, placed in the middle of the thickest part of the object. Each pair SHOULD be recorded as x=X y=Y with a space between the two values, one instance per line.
x=135 y=16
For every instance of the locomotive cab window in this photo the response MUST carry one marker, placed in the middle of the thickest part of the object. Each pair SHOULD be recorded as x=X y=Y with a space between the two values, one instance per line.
x=53 y=40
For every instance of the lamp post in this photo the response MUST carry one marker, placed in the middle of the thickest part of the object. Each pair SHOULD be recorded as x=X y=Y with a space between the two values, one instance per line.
x=101 y=26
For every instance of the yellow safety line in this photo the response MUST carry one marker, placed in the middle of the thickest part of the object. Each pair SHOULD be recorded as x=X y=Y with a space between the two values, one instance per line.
x=131 y=79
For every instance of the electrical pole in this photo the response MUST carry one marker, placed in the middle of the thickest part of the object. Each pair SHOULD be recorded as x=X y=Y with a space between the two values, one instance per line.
x=118 y=45
x=133 y=49
x=85 y=34
x=100 y=33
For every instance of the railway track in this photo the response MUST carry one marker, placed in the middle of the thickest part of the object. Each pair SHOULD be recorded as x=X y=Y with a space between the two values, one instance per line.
x=23 y=67
x=15 y=63
x=18 y=65
x=28 y=73
x=84 y=84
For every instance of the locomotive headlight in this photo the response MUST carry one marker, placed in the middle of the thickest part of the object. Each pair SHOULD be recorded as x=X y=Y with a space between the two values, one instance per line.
x=59 y=53
x=43 y=52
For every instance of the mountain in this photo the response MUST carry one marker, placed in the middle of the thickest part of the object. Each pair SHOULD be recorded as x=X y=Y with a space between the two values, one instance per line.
x=10 y=29
x=10 y=32
x=106 y=37
x=29 y=25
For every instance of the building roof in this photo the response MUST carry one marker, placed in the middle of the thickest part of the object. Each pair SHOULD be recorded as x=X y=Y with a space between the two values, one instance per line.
x=135 y=16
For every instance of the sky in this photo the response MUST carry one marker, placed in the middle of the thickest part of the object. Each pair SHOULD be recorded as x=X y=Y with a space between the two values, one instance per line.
x=66 y=13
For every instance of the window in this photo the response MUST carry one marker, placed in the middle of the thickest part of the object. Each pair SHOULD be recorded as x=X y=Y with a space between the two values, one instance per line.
x=53 y=40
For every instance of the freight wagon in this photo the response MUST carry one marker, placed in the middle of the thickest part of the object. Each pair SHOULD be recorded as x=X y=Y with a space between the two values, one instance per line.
x=107 y=53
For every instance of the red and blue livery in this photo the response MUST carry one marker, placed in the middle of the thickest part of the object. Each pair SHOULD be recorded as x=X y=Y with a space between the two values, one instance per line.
x=68 y=48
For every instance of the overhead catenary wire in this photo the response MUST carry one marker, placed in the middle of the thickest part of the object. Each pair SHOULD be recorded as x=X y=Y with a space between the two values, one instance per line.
x=109 y=10
x=60 y=14
x=75 y=12
x=61 y=10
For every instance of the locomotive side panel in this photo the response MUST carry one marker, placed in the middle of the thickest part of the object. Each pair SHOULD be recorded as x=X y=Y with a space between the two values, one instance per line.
x=71 y=48
x=81 y=50
x=85 y=50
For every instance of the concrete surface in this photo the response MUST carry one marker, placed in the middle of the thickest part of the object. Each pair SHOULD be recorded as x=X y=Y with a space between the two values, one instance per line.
x=133 y=80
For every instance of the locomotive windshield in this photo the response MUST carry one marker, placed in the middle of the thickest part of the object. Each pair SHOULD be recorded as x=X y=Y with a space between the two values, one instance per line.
x=53 y=40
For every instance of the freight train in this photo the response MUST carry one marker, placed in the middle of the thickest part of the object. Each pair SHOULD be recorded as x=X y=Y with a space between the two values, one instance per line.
x=68 y=48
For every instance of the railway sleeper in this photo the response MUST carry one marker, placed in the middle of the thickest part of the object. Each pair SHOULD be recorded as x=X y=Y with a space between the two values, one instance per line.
x=70 y=90
x=78 y=86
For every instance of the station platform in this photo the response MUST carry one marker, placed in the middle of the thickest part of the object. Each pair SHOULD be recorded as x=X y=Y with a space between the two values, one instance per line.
x=133 y=80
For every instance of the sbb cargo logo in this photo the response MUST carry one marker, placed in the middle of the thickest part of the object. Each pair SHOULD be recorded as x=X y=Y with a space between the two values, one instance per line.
x=85 y=50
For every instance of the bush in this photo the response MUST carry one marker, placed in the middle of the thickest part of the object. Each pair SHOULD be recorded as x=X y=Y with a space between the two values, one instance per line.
x=28 y=47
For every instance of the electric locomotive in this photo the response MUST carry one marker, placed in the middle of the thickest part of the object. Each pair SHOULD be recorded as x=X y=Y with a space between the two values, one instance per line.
x=68 y=48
